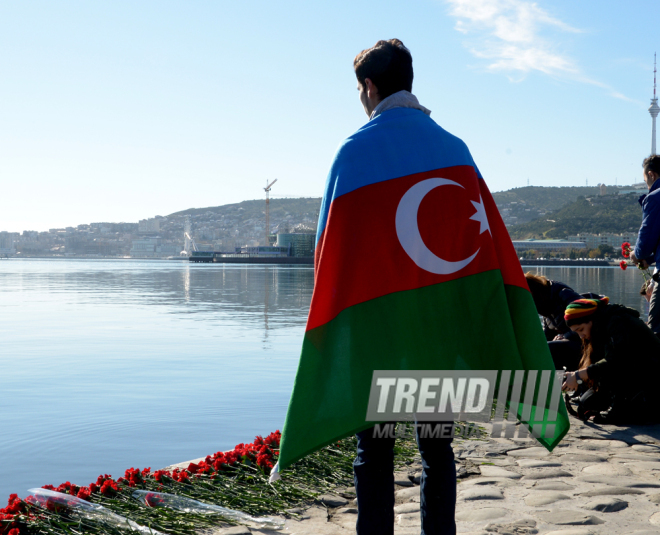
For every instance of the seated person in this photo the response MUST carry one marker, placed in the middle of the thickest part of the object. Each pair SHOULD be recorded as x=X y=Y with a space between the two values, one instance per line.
x=551 y=299
x=620 y=362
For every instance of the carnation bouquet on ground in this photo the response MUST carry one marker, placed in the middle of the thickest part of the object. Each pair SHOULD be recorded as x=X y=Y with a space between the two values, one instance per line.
x=222 y=489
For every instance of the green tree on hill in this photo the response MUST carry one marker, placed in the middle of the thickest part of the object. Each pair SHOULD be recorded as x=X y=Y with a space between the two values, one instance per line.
x=547 y=198
x=614 y=214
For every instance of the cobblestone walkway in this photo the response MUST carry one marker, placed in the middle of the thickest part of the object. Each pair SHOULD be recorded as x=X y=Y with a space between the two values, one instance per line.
x=599 y=480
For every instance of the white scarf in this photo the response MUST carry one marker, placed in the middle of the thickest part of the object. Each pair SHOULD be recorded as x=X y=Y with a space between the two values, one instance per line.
x=400 y=99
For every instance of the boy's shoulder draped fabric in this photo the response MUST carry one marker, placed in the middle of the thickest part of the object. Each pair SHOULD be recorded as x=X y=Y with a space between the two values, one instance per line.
x=415 y=270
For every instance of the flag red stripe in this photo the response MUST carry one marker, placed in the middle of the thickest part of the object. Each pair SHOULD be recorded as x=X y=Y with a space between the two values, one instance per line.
x=373 y=263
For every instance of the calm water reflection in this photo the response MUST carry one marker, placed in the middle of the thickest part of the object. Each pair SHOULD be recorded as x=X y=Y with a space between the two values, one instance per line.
x=112 y=364
x=620 y=286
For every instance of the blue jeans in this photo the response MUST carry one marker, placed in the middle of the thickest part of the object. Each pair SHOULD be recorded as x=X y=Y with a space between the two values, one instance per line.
x=374 y=484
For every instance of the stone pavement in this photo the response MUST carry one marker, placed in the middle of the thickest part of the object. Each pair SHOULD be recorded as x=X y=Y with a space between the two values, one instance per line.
x=598 y=480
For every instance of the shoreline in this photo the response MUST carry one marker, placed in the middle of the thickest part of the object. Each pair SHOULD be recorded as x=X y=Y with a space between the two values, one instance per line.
x=564 y=262
x=598 y=480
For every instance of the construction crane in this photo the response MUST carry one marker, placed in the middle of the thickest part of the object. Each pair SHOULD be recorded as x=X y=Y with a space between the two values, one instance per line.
x=189 y=245
x=267 y=190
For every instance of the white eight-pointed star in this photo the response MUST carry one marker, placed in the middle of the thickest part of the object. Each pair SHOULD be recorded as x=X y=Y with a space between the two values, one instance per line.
x=480 y=215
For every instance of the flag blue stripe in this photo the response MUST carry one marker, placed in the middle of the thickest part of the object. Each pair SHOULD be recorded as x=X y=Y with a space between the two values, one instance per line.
x=397 y=143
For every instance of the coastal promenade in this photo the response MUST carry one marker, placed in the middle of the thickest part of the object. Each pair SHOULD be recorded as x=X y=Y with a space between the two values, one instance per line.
x=599 y=480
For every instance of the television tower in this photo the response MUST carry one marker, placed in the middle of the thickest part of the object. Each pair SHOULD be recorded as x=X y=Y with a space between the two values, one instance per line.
x=654 y=109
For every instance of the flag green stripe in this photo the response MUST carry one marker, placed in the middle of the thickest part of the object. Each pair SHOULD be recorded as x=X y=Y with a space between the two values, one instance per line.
x=472 y=323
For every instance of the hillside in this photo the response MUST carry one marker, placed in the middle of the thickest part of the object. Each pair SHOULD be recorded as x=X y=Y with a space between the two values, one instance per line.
x=544 y=198
x=297 y=210
x=522 y=205
x=530 y=212
x=608 y=214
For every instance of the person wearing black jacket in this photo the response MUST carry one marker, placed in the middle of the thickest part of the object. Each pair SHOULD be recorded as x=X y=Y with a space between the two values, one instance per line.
x=551 y=299
x=616 y=342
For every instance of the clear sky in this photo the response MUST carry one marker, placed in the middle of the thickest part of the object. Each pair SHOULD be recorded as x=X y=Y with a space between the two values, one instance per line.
x=122 y=110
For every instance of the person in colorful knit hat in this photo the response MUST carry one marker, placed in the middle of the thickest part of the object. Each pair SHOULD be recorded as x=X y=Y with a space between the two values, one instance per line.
x=615 y=342
x=551 y=299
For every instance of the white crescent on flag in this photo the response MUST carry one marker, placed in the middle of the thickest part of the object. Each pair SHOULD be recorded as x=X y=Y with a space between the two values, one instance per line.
x=407 y=229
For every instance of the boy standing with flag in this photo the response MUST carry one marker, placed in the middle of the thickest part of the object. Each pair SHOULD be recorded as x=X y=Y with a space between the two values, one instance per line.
x=384 y=76
x=414 y=270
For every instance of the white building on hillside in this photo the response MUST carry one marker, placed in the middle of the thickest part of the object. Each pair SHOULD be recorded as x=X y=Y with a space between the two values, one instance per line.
x=592 y=241
x=546 y=245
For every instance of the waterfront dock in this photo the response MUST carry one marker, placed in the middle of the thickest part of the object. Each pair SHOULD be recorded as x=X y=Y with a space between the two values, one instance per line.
x=208 y=257
x=567 y=262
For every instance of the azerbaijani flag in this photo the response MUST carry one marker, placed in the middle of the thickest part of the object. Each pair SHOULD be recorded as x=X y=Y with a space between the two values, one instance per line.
x=415 y=270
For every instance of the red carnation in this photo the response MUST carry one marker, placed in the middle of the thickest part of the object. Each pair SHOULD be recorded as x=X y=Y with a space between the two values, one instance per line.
x=14 y=505
x=623 y=265
x=153 y=500
x=160 y=474
x=133 y=476
x=64 y=488
x=273 y=440
x=231 y=457
x=625 y=249
x=193 y=468
x=264 y=461
x=8 y=521
x=109 y=488
x=84 y=493
x=217 y=464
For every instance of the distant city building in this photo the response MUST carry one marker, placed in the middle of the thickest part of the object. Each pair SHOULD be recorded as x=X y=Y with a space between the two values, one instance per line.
x=299 y=244
x=546 y=245
x=592 y=241
x=145 y=247
x=7 y=244
x=87 y=245
x=262 y=250
x=603 y=189
x=149 y=226
x=637 y=189
x=153 y=248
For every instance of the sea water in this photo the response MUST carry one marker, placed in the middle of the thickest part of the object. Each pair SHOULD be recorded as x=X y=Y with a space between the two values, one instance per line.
x=112 y=364
x=107 y=365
